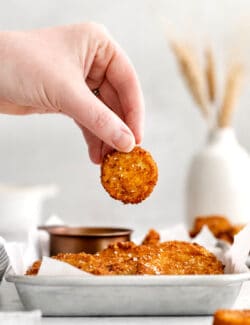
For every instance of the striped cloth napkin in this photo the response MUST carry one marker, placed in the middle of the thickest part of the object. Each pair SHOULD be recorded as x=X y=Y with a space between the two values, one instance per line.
x=4 y=260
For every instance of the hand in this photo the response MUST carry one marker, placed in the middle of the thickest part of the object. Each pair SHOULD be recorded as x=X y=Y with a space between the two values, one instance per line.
x=57 y=70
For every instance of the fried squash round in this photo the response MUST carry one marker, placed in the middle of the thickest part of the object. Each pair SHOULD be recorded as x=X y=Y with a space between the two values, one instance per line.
x=129 y=177
x=220 y=226
x=177 y=258
x=231 y=317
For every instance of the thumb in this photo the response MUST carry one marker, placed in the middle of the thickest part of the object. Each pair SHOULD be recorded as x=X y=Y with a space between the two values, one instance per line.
x=92 y=113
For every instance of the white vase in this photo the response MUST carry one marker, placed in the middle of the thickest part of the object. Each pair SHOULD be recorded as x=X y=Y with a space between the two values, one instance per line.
x=219 y=179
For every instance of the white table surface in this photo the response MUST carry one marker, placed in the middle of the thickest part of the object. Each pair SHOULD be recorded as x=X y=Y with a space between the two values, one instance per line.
x=9 y=301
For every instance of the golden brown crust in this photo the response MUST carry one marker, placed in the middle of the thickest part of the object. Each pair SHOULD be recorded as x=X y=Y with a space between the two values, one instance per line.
x=231 y=317
x=236 y=229
x=152 y=237
x=129 y=177
x=34 y=268
x=218 y=225
x=176 y=258
x=127 y=258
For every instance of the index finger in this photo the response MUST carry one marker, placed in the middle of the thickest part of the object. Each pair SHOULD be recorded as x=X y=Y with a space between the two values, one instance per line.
x=122 y=76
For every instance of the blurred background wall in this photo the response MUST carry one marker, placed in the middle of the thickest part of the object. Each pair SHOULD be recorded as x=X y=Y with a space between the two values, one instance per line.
x=50 y=149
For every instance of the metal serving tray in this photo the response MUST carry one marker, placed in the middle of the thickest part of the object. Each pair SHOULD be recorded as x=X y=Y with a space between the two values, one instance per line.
x=128 y=295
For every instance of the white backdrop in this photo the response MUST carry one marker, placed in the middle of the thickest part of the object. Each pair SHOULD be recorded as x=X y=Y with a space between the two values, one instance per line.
x=50 y=149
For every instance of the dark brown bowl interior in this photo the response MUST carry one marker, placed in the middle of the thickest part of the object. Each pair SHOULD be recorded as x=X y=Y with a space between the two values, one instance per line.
x=89 y=231
x=84 y=239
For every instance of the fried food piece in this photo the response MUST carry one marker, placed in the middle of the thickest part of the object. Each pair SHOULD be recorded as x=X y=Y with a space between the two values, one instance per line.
x=231 y=317
x=152 y=237
x=82 y=261
x=235 y=229
x=118 y=259
x=129 y=177
x=177 y=258
x=126 y=258
x=34 y=268
x=216 y=224
x=219 y=226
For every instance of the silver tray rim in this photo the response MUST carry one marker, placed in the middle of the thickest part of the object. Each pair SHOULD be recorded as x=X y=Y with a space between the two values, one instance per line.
x=130 y=280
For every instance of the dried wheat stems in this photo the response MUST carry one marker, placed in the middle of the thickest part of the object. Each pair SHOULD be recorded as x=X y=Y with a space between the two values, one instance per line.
x=232 y=91
x=210 y=71
x=202 y=83
x=192 y=74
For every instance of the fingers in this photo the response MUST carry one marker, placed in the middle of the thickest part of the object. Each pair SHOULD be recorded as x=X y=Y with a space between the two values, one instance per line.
x=94 y=115
x=105 y=150
x=97 y=148
x=110 y=98
x=97 y=71
x=94 y=144
x=122 y=76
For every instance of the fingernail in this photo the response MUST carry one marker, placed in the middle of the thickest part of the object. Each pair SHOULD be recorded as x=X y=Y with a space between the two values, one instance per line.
x=124 y=141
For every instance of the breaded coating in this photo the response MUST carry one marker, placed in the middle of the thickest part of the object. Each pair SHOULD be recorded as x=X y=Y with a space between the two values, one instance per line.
x=129 y=177
x=82 y=261
x=177 y=258
x=216 y=224
x=235 y=229
x=152 y=237
x=231 y=317
x=118 y=259
x=34 y=268
x=127 y=258
x=219 y=226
